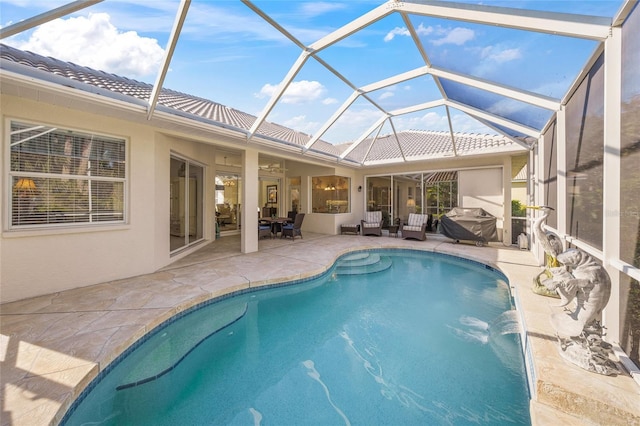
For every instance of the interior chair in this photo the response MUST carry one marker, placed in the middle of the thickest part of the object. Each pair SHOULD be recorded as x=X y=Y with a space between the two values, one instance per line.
x=372 y=223
x=416 y=227
x=264 y=229
x=223 y=214
x=293 y=229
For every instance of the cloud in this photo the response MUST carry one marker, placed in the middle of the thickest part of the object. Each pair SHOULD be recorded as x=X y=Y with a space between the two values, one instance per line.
x=298 y=92
x=301 y=124
x=94 y=42
x=422 y=30
x=506 y=107
x=457 y=36
x=352 y=124
x=462 y=123
x=386 y=95
x=396 y=31
x=492 y=58
x=360 y=117
x=431 y=120
x=437 y=120
x=500 y=56
x=329 y=101
x=403 y=31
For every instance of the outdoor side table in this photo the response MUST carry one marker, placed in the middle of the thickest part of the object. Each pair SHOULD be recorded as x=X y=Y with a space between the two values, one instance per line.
x=393 y=230
x=355 y=229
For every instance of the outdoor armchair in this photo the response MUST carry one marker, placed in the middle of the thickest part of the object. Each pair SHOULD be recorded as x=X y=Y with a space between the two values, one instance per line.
x=415 y=227
x=372 y=223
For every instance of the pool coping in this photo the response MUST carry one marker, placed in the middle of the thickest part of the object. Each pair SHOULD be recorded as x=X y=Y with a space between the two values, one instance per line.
x=560 y=391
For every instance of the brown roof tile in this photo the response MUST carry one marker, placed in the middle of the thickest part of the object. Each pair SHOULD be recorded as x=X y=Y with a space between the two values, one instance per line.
x=410 y=144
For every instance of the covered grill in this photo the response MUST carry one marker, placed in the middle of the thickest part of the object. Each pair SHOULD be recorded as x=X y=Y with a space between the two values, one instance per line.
x=469 y=224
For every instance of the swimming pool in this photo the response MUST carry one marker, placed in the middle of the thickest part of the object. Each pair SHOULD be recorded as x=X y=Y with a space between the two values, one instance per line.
x=384 y=337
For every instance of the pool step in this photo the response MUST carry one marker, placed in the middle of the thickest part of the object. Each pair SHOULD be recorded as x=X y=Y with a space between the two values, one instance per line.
x=363 y=263
x=171 y=346
x=367 y=259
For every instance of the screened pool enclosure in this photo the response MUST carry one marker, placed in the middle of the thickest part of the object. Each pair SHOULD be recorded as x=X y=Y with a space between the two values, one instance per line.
x=223 y=109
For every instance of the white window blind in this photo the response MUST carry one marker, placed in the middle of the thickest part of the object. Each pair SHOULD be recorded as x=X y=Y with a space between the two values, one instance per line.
x=63 y=177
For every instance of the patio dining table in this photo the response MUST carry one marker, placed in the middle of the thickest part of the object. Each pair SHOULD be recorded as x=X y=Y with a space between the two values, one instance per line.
x=276 y=223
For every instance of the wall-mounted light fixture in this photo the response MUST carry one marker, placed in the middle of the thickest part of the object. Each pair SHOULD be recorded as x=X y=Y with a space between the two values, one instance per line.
x=360 y=188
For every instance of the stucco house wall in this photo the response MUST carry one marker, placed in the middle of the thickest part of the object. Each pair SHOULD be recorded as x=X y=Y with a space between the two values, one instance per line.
x=52 y=260
x=47 y=261
x=482 y=188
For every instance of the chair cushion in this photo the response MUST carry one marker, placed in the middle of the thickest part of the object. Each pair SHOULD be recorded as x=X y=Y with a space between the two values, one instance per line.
x=415 y=219
x=374 y=217
x=371 y=224
x=412 y=228
x=264 y=228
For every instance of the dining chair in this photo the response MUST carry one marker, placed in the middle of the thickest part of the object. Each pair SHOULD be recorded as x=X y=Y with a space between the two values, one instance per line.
x=293 y=229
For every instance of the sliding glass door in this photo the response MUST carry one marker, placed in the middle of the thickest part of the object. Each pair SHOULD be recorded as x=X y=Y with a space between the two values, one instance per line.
x=186 y=203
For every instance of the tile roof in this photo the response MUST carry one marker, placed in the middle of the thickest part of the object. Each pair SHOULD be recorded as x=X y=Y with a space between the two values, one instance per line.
x=404 y=146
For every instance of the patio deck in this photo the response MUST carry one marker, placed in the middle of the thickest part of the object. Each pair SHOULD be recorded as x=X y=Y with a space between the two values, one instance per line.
x=53 y=346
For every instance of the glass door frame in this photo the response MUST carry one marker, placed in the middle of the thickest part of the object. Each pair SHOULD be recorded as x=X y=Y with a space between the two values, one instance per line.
x=186 y=202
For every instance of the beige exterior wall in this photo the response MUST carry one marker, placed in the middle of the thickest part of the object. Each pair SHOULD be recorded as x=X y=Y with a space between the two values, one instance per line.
x=519 y=192
x=37 y=262
x=482 y=188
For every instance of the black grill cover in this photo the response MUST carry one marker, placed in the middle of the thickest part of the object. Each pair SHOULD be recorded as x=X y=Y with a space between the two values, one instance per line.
x=472 y=224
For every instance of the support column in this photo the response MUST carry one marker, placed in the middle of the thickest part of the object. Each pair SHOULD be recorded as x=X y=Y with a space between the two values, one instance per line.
x=611 y=178
x=561 y=166
x=249 y=221
x=507 y=190
x=536 y=182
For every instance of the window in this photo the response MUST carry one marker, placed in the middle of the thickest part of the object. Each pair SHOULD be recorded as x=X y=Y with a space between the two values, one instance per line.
x=65 y=177
x=330 y=194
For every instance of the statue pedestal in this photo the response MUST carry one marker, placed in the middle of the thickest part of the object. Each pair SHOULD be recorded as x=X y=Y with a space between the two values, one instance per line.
x=584 y=283
x=589 y=351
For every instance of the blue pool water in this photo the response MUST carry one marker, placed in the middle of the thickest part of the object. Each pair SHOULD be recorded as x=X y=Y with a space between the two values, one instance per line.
x=386 y=337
